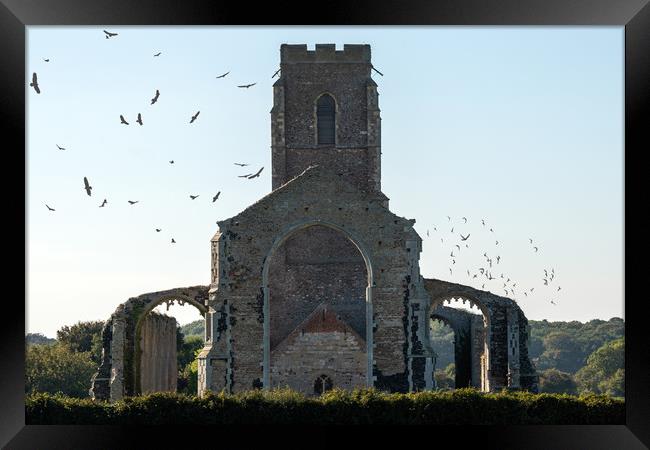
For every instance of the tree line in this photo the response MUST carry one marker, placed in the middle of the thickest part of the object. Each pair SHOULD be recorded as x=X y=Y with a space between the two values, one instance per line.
x=570 y=357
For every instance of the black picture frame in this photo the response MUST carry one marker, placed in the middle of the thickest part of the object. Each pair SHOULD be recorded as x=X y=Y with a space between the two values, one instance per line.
x=634 y=15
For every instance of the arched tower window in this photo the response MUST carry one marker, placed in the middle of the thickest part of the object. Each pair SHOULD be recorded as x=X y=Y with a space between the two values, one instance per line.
x=326 y=119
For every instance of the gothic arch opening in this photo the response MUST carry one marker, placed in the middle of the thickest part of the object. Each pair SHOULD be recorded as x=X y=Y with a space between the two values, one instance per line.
x=469 y=320
x=163 y=355
x=316 y=303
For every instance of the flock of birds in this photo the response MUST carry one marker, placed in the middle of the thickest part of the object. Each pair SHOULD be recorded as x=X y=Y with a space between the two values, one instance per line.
x=88 y=188
x=484 y=274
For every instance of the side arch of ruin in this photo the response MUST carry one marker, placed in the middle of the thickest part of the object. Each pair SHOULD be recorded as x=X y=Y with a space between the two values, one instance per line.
x=119 y=372
x=506 y=364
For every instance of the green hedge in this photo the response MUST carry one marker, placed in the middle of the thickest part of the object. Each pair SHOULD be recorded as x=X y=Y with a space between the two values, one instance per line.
x=368 y=406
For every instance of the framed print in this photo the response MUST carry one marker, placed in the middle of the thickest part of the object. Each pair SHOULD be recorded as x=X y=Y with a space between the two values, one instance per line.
x=432 y=233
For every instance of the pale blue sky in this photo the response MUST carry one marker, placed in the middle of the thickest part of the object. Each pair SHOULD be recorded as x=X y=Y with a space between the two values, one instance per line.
x=520 y=126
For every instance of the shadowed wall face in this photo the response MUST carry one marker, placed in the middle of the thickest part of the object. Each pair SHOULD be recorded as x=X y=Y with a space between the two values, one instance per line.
x=158 y=365
x=318 y=266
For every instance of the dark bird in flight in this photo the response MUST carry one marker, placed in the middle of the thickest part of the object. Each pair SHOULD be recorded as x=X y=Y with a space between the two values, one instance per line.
x=450 y=271
x=246 y=85
x=242 y=165
x=34 y=83
x=221 y=76
x=453 y=261
x=139 y=119
x=214 y=199
x=276 y=72
x=452 y=254
x=373 y=68
x=109 y=35
x=506 y=291
x=545 y=273
x=195 y=116
x=483 y=287
x=133 y=202
x=448 y=218
x=173 y=241
x=464 y=238
x=498 y=258
x=158 y=230
x=458 y=246
x=545 y=282
x=257 y=174
x=123 y=120
x=103 y=203
x=491 y=230
x=171 y=162
x=46 y=60
x=155 y=97
x=474 y=276
x=441 y=240
x=465 y=219
x=245 y=176
x=193 y=196
x=553 y=302
x=559 y=287
x=531 y=241
x=535 y=249
x=51 y=209
x=157 y=54
x=483 y=222
x=60 y=148
x=427 y=233
x=532 y=289
x=526 y=294
x=497 y=243
x=452 y=229
x=87 y=186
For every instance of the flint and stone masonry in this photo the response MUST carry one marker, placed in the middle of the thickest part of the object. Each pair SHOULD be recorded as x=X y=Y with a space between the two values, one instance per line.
x=319 y=280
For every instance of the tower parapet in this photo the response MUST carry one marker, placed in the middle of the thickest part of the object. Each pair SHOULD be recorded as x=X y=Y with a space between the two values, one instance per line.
x=324 y=53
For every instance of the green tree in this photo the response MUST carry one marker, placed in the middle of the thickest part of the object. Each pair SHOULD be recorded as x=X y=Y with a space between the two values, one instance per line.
x=56 y=368
x=561 y=351
x=38 y=338
x=605 y=370
x=83 y=337
x=557 y=382
x=193 y=328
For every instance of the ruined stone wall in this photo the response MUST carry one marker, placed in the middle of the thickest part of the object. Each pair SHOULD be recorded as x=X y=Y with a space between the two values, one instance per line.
x=158 y=363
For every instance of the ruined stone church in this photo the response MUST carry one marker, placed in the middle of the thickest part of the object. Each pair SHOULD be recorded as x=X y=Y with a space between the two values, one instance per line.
x=317 y=284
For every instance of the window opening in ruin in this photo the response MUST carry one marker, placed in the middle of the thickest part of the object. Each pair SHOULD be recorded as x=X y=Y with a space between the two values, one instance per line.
x=322 y=384
x=326 y=119
x=463 y=326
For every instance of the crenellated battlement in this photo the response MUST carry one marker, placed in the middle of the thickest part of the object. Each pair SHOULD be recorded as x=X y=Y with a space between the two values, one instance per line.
x=325 y=53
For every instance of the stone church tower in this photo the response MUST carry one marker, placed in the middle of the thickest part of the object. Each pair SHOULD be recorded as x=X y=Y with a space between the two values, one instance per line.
x=317 y=285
